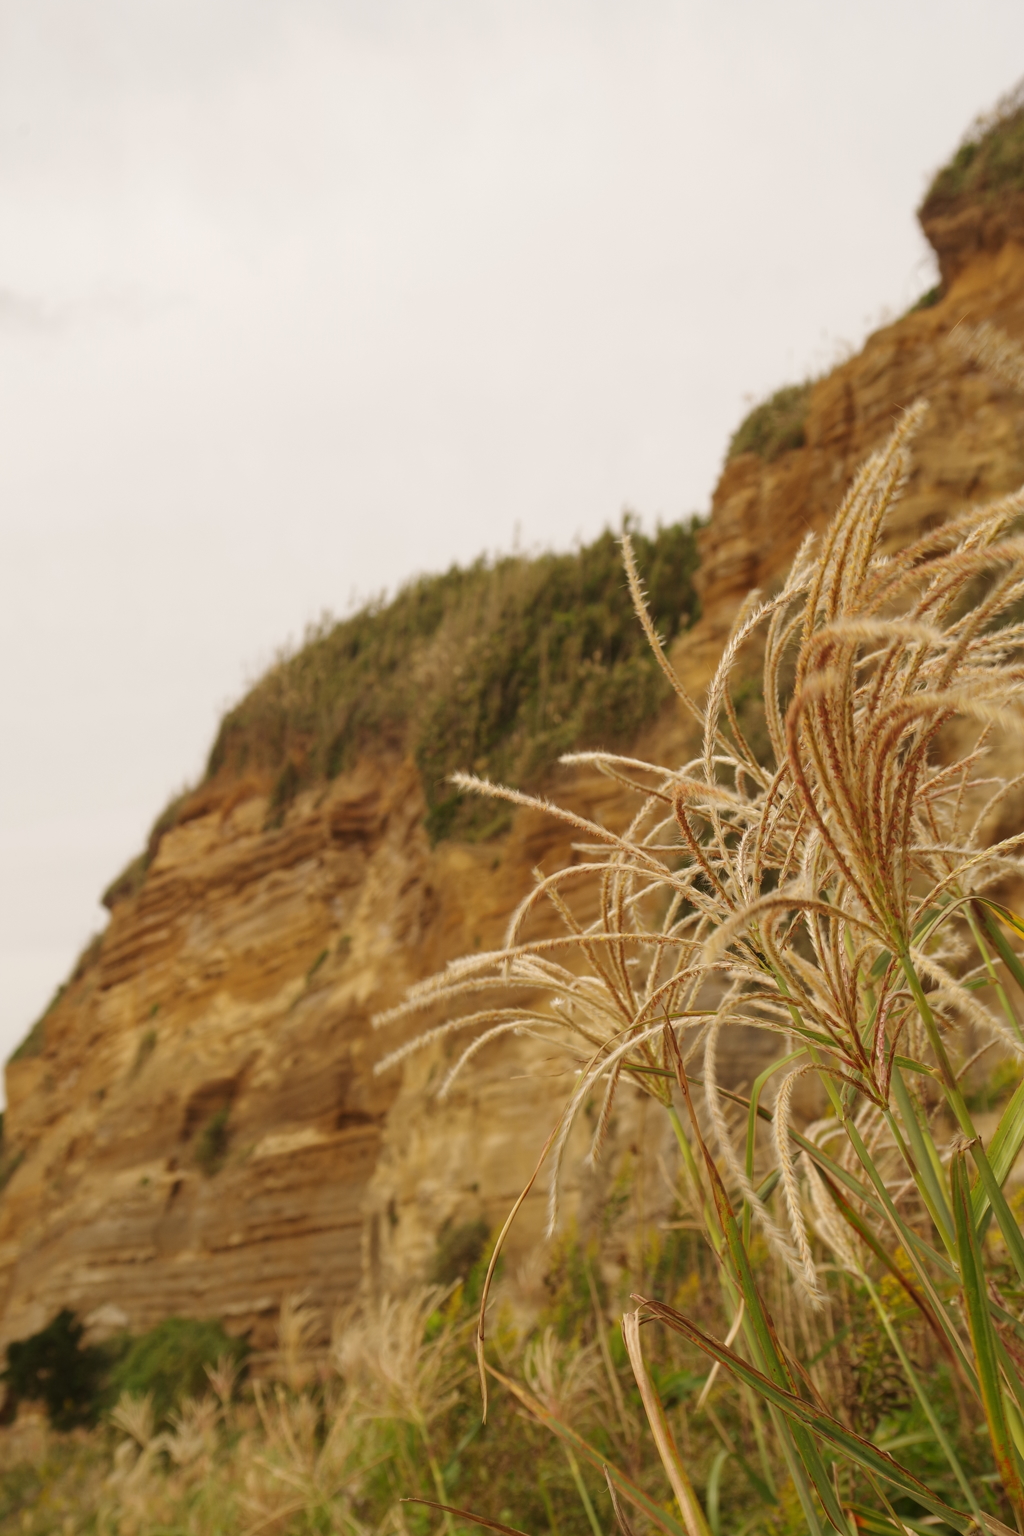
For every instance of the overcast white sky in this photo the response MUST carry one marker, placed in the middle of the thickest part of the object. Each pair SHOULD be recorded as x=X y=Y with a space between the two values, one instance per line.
x=299 y=298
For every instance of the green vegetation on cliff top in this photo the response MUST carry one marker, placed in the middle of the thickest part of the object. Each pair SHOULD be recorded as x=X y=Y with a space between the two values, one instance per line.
x=496 y=668
x=774 y=426
x=989 y=162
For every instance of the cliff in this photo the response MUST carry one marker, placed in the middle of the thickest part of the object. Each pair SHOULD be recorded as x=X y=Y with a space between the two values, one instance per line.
x=194 y=1127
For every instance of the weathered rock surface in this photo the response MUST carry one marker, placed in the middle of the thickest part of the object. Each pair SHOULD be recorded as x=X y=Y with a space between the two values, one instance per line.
x=200 y=1130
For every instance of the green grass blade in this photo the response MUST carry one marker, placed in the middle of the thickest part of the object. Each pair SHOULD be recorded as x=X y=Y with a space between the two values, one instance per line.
x=972 y=912
x=882 y=1208
x=1003 y=1149
x=983 y=1336
x=1007 y=953
x=714 y=1489
x=1007 y=1225
x=992 y=1188
x=928 y=1168
x=814 y=1420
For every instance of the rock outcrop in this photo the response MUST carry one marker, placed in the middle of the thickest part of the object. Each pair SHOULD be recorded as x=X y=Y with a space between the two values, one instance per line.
x=197 y=1128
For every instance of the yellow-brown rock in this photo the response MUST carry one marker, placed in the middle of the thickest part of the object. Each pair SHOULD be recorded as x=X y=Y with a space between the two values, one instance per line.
x=201 y=1131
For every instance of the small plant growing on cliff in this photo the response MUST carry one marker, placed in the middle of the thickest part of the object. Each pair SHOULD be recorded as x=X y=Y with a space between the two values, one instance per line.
x=846 y=899
x=211 y=1147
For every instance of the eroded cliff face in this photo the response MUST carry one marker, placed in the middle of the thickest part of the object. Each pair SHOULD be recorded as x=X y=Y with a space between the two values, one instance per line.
x=200 y=1130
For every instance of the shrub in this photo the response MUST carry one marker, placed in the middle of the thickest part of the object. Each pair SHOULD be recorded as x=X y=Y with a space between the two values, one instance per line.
x=498 y=667
x=989 y=162
x=170 y=1360
x=775 y=426
x=55 y=1368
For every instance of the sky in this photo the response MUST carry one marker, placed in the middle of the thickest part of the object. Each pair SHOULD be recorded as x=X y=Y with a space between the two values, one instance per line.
x=299 y=299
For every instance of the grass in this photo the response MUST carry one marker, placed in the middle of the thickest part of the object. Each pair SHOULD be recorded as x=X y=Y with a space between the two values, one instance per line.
x=211 y=1144
x=837 y=891
x=988 y=164
x=774 y=427
x=169 y=1363
x=206 y=1451
x=498 y=667
x=79 y=1382
x=928 y=299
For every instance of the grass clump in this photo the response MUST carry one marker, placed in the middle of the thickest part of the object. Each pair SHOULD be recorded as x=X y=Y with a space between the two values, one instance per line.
x=498 y=667
x=55 y=1368
x=76 y=1383
x=989 y=163
x=169 y=1363
x=774 y=427
x=211 y=1145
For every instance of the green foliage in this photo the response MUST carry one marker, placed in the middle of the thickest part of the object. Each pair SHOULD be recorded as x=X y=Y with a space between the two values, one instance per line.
x=989 y=163
x=775 y=426
x=286 y=787
x=55 y=1368
x=77 y=1382
x=927 y=300
x=169 y=1361
x=459 y=1250
x=569 y=1309
x=497 y=668
x=211 y=1148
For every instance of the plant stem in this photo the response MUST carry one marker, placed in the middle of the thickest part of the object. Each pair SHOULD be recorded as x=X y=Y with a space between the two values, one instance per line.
x=581 y=1489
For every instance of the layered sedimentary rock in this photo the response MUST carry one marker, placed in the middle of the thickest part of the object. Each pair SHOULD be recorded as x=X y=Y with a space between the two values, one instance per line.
x=197 y=1127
